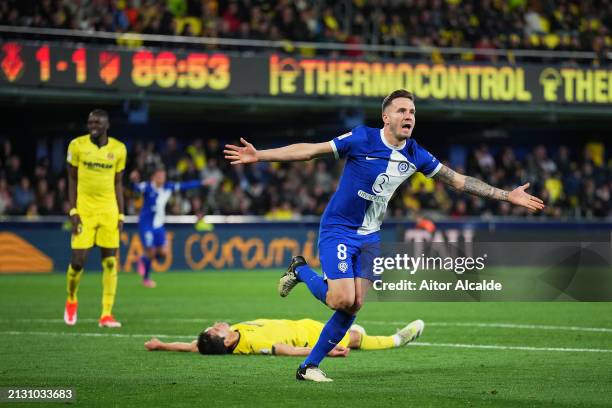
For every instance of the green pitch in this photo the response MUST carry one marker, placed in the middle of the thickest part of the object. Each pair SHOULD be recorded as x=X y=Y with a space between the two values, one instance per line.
x=471 y=354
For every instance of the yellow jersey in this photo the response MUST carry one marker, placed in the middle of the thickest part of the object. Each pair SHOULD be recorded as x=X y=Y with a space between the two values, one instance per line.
x=97 y=167
x=259 y=336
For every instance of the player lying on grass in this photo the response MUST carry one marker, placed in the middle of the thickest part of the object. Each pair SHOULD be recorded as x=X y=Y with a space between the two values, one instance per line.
x=283 y=338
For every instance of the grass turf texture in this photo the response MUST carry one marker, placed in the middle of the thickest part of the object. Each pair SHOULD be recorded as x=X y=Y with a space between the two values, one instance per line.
x=117 y=370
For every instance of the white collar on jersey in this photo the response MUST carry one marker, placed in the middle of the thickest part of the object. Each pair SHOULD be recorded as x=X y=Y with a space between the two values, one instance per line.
x=390 y=146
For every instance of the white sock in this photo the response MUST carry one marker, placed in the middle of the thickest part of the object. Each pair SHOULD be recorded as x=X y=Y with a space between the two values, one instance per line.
x=397 y=340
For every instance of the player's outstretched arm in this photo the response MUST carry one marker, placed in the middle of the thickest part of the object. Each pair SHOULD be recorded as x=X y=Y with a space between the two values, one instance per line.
x=156 y=344
x=472 y=185
x=281 y=349
x=247 y=153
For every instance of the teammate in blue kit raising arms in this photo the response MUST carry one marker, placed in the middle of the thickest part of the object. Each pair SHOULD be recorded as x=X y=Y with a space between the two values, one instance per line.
x=378 y=161
x=156 y=194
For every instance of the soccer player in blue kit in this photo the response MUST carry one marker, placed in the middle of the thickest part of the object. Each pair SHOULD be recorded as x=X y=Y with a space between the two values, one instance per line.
x=378 y=161
x=156 y=194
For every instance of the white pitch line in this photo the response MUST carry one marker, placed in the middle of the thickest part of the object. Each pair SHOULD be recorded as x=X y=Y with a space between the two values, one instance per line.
x=521 y=348
x=366 y=322
x=421 y=344
x=526 y=326
x=145 y=320
x=125 y=335
x=499 y=326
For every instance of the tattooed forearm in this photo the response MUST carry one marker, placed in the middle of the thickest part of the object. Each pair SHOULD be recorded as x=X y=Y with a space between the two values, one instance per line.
x=482 y=189
x=447 y=176
x=470 y=184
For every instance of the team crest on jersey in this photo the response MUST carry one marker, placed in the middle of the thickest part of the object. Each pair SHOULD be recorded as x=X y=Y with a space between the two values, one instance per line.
x=110 y=156
x=342 y=266
x=403 y=167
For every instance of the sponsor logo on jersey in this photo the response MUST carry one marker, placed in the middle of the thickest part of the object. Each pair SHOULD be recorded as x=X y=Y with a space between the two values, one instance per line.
x=379 y=183
x=94 y=165
x=372 y=197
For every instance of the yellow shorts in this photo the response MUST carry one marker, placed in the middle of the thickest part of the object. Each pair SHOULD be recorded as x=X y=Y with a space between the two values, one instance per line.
x=314 y=329
x=100 y=229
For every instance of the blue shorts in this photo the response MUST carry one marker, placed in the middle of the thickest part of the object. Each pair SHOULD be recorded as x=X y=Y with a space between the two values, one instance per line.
x=346 y=255
x=153 y=237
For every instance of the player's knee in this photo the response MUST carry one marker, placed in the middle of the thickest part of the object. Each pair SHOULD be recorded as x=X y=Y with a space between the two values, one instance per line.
x=354 y=307
x=357 y=305
x=109 y=263
x=341 y=301
x=160 y=255
x=76 y=266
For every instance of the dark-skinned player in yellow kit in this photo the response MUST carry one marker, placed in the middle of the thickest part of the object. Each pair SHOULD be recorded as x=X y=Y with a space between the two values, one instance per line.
x=95 y=169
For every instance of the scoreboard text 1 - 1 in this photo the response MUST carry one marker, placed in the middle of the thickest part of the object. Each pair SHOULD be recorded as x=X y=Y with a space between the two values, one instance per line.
x=90 y=67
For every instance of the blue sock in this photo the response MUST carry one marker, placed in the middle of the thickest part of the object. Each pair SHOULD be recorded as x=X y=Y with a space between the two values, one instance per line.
x=333 y=331
x=315 y=282
x=147 y=267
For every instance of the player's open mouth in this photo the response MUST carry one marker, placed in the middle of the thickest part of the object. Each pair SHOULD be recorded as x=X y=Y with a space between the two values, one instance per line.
x=407 y=126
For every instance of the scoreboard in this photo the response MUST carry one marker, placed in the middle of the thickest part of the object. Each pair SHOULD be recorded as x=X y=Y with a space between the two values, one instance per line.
x=97 y=68
x=194 y=72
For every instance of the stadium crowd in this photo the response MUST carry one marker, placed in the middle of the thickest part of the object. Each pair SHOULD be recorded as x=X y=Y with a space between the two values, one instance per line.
x=563 y=25
x=574 y=183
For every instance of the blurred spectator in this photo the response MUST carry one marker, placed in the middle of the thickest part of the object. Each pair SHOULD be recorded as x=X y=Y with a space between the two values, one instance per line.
x=171 y=156
x=554 y=186
x=459 y=209
x=5 y=151
x=48 y=205
x=32 y=211
x=42 y=189
x=212 y=175
x=196 y=157
x=484 y=159
x=5 y=196
x=282 y=212
x=13 y=171
x=323 y=178
x=23 y=195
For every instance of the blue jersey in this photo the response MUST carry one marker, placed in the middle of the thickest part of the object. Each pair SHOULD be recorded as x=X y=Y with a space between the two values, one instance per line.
x=373 y=171
x=153 y=209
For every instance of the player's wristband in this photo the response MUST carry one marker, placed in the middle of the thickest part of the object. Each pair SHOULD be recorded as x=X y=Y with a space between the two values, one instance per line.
x=121 y=217
x=73 y=211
